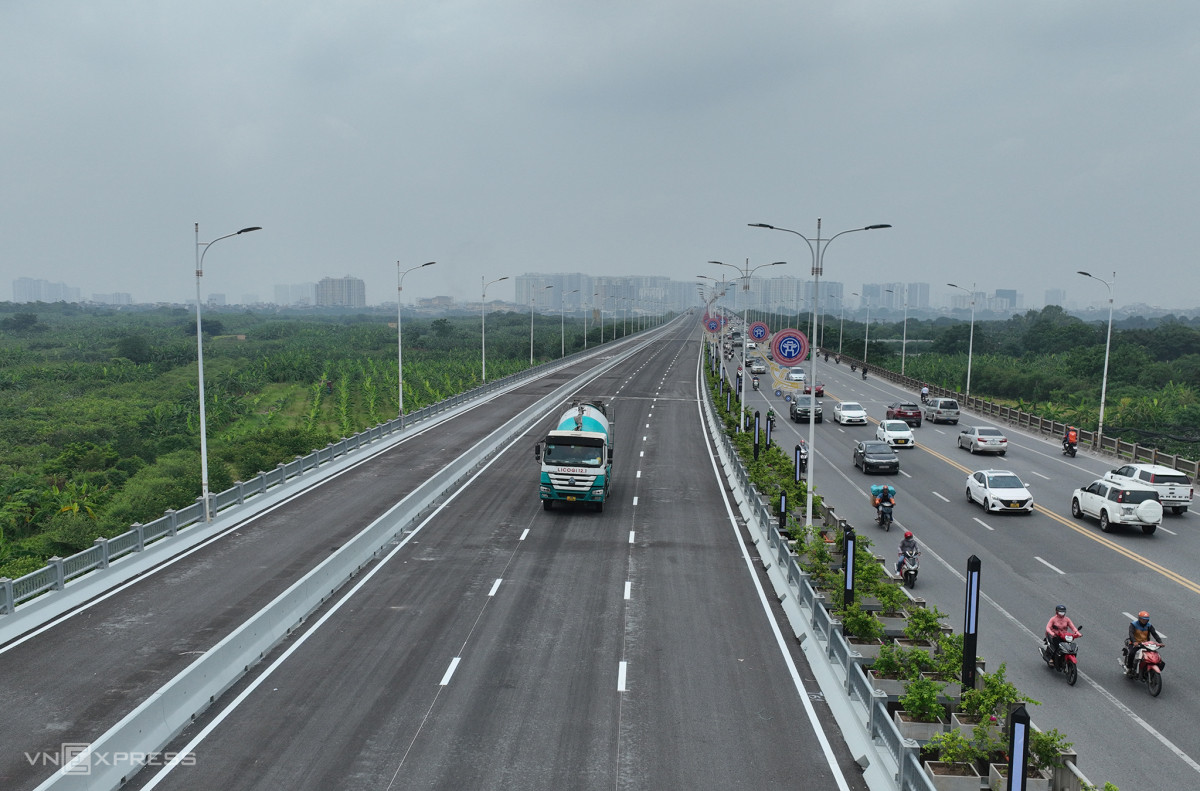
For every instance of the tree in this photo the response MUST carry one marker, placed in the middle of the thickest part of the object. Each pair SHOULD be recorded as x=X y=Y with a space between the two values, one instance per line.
x=134 y=348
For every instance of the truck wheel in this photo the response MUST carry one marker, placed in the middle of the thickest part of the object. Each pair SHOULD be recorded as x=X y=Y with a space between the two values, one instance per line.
x=1148 y=529
x=600 y=507
x=1076 y=511
x=1104 y=525
x=546 y=504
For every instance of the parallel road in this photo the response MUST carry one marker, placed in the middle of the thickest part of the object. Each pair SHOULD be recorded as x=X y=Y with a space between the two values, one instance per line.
x=1030 y=564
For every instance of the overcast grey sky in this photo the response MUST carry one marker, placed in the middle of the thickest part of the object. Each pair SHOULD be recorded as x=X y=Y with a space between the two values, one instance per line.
x=1010 y=144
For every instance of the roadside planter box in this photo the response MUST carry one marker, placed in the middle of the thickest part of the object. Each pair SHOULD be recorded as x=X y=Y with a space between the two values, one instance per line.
x=953 y=776
x=998 y=779
x=918 y=731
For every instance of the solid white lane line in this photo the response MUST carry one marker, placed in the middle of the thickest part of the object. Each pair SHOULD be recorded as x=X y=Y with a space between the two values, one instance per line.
x=495 y=587
x=943 y=499
x=450 y=671
x=985 y=524
x=621 y=677
x=1048 y=565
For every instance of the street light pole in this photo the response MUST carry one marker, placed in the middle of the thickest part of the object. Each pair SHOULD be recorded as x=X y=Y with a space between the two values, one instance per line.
x=483 y=323
x=970 y=339
x=532 y=302
x=745 y=274
x=904 y=337
x=818 y=265
x=562 y=321
x=201 y=251
x=400 y=334
x=1107 y=346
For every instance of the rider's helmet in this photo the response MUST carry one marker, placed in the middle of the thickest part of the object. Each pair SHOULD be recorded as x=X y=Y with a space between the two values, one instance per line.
x=1060 y=609
x=908 y=534
x=1143 y=617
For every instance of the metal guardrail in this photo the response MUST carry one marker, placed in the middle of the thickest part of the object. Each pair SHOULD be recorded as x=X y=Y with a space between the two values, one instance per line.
x=868 y=704
x=1129 y=451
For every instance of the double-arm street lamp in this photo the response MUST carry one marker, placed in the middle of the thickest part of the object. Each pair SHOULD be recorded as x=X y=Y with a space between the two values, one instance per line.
x=904 y=337
x=201 y=251
x=483 y=323
x=532 y=302
x=867 y=326
x=400 y=332
x=745 y=275
x=970 y=338
x=589 y=309
x=1107 y=346
x=817 y=250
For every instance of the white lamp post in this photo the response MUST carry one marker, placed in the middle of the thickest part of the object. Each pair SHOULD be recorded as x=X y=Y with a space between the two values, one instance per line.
x=532 y=302
x=904 y=337
x=1107 y=346
x=201 y=251
x=483 y=324
x=818 y=264
x=562 y=321
x=970 y=339
x=400 y=332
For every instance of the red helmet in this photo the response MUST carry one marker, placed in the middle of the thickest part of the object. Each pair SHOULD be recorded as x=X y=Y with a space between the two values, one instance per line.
x=1143 y=616
x=908 y=534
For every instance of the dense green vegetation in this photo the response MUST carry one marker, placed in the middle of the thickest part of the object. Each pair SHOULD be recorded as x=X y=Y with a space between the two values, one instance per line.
x=1050 y=363
x=99 y=415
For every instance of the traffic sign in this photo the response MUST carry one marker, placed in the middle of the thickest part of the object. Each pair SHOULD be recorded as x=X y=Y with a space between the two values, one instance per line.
x=759 y=331
x=789 y=346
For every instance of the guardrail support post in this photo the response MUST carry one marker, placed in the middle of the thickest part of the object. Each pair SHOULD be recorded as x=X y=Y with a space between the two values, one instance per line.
x=172 y=521
x=140 y=531
x=56 y=563
x=103 y=544
x=6 y=596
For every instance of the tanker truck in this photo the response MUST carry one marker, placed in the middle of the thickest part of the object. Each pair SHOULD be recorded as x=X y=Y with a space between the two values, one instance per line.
x=576 y=456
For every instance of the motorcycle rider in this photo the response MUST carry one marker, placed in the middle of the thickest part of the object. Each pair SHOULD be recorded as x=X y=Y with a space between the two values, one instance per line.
x=755 y=382
x=924 y=393
x=1058 y=627
x=1070 y=437
x=885 y=497
x=864 y=372
x=1140 y=630
x=907 y=544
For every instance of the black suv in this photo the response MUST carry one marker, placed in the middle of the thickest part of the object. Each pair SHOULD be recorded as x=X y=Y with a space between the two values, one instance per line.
x=804 y=408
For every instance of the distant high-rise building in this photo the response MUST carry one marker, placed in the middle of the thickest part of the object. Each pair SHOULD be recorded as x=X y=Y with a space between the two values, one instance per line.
x=118 y=298
x=918 y=296
x=1055 y=296
x=27 y=289
x=295 y=294
x=341 y=292
x=1006 y=299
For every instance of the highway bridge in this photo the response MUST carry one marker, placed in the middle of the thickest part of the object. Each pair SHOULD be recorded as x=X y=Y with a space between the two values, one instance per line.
x=491 y=644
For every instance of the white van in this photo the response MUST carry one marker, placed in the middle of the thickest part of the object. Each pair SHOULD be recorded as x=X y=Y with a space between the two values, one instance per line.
x=1173 y=487
x=940 y=410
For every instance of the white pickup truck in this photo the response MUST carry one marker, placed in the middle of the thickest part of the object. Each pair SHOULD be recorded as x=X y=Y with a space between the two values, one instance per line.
x=1114 y=503
x=1173 y=487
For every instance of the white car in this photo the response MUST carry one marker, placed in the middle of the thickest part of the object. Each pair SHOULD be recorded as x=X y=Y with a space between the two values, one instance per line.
x=1113 y=503
x=999 y=490
x=896 y=433
x=1174 y=488
x=795 y=375
x=846 y=412
x=751 y=345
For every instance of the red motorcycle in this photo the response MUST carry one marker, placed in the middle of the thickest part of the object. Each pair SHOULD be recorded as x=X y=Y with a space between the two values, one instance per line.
x=1148 y=665
x=1064 y=659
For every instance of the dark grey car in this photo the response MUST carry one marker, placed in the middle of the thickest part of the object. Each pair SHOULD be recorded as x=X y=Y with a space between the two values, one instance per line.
x=876 y=456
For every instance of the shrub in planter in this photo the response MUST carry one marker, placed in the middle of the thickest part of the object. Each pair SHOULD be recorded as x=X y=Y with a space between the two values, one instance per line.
x=924 y=625
x=948 y=660
x=891 y=597
x=1046 y=749
x=953 y=747
x=920 y=700
x=860 y=624
x=896 y=661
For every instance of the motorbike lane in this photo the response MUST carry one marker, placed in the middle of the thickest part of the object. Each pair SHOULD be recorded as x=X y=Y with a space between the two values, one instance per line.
x=1030 y=564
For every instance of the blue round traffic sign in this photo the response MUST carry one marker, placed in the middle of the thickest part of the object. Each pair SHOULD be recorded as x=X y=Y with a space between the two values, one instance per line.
x=789 y=346
x=759 y=331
